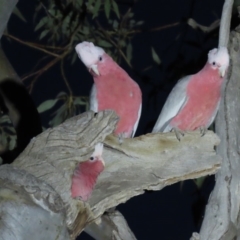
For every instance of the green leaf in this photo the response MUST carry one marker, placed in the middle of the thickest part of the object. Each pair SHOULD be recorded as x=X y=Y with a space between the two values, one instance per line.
x=79 y=101
x=42 y=22
x=115 y=8
x=48 y=104
x=5 y=119
x=96 y=8
x=17 y=12
x=43 y=33
x=104 y=43
x=107 y=8
x=61 y=95
x=12 y=143
x=129 y=52
x=199 y=181
x=59 y=117
x=155 y=56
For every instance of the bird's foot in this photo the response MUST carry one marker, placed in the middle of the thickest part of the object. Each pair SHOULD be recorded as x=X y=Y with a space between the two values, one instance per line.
x=120 y=138
x=203 y=130
x=179 y=134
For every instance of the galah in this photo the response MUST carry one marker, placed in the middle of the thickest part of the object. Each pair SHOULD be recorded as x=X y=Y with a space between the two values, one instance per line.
x=194 y=101
x=112 y=89
x=86 y=173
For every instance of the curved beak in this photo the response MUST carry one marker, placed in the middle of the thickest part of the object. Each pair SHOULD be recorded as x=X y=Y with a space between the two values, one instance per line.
x=222 y=71
x=94 y=68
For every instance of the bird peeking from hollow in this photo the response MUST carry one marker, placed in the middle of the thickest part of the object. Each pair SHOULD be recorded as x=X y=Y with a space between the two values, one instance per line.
x=86 y=173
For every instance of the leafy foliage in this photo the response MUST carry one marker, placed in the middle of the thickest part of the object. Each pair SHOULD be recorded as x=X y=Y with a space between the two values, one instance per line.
x=70 y=22
x=68 y=106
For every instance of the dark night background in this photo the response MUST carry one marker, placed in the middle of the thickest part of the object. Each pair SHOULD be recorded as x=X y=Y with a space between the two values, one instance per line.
x=174 y=212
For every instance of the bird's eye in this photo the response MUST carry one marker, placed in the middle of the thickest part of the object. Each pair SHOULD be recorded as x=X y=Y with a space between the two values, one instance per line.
x=91 y=158
x=100 y=58
x=214 y=63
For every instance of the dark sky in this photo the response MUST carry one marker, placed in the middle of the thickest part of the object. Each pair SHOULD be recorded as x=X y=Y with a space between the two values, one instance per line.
x=167 y=214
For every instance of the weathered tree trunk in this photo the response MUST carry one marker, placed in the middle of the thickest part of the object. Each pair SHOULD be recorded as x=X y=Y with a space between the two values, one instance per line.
x=221 y=220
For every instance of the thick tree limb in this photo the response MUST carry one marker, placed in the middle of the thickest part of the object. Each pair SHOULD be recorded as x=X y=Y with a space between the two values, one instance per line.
x=148 y=162
x=112 y=226
x=6 y=8
x=221 y=220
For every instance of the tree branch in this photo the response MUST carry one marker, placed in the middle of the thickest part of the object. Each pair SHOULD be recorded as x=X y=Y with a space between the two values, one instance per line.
x=225 y=22
x=148 y=162
x=6 y=8
x=221 y=219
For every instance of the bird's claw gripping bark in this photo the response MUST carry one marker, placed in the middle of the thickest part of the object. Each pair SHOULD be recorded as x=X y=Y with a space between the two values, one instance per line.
x=203 y=130
x=120 y=138
x=179 y=134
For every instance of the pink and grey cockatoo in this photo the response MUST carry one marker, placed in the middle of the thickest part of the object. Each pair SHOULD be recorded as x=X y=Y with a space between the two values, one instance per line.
x=112 y=89
x=194 y=101
x=86 y=173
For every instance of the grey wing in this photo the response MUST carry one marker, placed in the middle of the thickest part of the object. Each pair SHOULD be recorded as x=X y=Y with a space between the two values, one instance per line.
x=175 y=102
x=93 y=99
x=136 y=123
x=213 y=115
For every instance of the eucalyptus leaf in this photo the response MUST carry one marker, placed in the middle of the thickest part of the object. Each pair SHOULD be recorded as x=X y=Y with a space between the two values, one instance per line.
x=12 y=143
x=115 y=8
x=17 y=12
x=155 y=57
x=199 y=182
x=79 y=101
x=104 y=43
x=41 y=23
x=48 y=104
x=60 y=116
x=5 y=119
x=107 y=8
x=96 y=8
x=43 y=33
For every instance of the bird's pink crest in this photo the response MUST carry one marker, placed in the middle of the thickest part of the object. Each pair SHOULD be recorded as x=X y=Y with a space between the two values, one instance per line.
x=86 y=174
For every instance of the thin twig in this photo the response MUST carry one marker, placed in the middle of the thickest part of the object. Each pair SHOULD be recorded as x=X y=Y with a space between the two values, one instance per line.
x=113 y=43
x=32 y=45
x=65 y=79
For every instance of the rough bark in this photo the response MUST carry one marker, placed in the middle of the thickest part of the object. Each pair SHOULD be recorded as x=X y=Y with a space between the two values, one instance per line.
x=221 y=220
x=151 y=162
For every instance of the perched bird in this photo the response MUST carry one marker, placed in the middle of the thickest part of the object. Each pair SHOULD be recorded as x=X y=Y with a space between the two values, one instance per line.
x=86 y=174
x=194 y=101
x=113 y=88
x=16 y=102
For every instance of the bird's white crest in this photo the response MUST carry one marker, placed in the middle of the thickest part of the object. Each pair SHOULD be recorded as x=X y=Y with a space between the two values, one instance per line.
x=98 y=150
x=88 y=53
x=219 y=58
